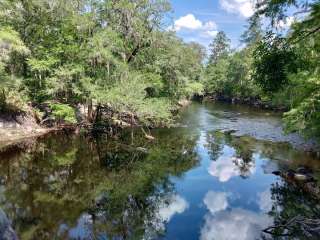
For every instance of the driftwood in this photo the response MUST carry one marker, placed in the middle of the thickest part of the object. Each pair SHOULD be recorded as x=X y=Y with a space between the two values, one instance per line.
x=148 y=136
x=309 y=227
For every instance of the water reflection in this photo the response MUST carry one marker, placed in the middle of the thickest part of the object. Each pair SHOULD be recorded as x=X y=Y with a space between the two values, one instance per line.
x=76 y=188
x=265 y=201
x=288 y=204
x=168 y=208
x=235 y=224
x=224 y=222
x=174 y=205
x=216 y=201
x=227 y=166
x=230 y=158
x=190 y=183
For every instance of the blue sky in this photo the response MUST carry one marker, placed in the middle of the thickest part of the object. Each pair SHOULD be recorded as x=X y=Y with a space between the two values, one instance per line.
x=199 y=20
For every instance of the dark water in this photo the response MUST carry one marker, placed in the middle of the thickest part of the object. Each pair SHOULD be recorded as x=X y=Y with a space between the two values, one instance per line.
x=196 y=181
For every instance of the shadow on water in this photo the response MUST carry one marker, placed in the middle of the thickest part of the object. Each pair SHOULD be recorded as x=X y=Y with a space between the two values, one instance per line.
x=192 y=182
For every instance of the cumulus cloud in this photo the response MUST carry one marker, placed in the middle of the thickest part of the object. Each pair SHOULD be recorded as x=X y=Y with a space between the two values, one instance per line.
x=237 y=224
x=189 y=23
x=244 y=8
x=226 y=167
x=216 y=201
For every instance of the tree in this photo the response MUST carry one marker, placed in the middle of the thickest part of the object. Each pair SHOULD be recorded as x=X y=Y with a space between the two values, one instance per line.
x=253 y=32
x=87 y=51
x=273 y=61
x=11 y=49
x=220 y=47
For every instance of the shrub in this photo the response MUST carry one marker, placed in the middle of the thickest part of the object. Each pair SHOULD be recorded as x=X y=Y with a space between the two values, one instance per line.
x=63 y=112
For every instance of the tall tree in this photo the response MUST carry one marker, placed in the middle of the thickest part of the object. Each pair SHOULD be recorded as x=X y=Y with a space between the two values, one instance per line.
x=253 y=32
x=220 y=47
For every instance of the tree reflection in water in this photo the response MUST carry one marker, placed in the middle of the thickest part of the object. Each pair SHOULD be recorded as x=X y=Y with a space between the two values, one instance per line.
x=234 y=156
x=231 y=156
x=290 y=203
x=71 y=187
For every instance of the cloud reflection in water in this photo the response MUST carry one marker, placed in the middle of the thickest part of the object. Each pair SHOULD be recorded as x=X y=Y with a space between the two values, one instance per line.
x=234 y=224
x=226 y=167
x=237 y=224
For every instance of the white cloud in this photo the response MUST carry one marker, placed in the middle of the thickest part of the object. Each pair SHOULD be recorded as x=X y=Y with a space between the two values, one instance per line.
x=191 y=23
x=244 y=8
x=286 y=23
x=237 y=224
x=226 y=167
x=187 y=22
x=212 y=33
x=216 y=201
x=190 y=28
x=210 y=25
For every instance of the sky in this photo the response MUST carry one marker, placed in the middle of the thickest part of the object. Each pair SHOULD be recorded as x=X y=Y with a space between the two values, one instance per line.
x=200 y=20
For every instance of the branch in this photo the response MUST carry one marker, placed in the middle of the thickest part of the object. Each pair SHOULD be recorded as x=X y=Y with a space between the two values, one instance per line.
x=308 y=34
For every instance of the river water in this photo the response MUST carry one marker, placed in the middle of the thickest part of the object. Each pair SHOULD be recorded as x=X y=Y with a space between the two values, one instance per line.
x=210 y=178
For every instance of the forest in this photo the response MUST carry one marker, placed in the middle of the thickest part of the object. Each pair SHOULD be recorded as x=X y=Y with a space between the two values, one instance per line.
x=122 y=55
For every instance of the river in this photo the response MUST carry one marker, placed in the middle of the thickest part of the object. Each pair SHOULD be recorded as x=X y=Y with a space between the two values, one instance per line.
x=209 y=178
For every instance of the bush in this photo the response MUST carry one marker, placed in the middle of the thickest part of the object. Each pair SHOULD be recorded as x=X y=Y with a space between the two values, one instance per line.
x=194 y=88
x=63 y=112
x=11 y=101
x=131 y=96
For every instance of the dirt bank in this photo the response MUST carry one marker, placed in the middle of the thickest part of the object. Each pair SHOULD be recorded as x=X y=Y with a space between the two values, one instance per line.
x=18 y=127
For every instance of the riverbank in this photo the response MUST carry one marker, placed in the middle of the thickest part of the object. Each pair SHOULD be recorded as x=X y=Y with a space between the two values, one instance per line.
x=249 y=101
x=17 y=128
x=15 y=131
x=79 y=177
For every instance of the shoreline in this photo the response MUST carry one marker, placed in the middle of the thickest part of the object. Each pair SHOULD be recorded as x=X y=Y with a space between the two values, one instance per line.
x=15 y=134
x=15 y=140
x=251 y=102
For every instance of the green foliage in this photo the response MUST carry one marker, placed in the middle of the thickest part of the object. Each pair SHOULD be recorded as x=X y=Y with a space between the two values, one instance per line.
x=277 y=9
x=217 y=80
x=131 y=96
x=91 y=51
x=254 y=32
x=219 y=48
x=295 y=60
x=273 y=60
x=304 y=117
x=231 y=76
x=194 y=88
x=63 y=112
x=11 y=48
